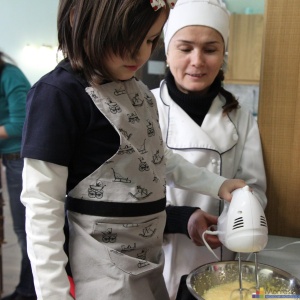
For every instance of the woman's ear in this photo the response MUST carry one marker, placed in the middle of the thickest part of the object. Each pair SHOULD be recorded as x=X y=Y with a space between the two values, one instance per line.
x=72 y=13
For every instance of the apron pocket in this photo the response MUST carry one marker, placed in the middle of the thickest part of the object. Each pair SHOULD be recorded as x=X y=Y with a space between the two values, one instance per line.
x=134 y=248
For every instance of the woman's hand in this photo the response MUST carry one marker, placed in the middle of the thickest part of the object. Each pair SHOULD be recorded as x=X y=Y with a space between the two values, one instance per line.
x=198 y=223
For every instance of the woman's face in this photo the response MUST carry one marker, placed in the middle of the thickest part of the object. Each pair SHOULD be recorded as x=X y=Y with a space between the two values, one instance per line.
x=195 y=56
x=124 y=68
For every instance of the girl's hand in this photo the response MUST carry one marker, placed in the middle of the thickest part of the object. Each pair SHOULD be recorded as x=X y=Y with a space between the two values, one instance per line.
x=229 y=186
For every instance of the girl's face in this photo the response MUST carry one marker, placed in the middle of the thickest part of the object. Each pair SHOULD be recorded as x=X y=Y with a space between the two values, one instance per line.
x=125 y=68
x=195 y=56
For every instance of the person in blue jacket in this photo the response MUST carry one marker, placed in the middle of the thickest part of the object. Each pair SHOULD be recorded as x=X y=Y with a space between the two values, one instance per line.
x=14 y=87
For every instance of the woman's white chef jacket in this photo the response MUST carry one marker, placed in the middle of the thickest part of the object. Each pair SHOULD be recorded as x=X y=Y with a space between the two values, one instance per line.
x=228 y=145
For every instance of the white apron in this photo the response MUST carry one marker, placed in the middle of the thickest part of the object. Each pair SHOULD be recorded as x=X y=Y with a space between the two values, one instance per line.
x=115 y=214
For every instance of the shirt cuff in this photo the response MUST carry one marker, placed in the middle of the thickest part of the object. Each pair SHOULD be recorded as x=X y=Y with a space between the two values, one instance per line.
x=177 y=219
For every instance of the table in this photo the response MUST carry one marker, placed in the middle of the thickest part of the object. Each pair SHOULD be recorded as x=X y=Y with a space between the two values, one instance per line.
x=287 y=259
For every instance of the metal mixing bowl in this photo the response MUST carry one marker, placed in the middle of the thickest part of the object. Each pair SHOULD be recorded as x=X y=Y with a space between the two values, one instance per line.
x=273 y=280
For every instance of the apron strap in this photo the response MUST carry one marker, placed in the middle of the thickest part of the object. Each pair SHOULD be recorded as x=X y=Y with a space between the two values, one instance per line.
x=115 y=209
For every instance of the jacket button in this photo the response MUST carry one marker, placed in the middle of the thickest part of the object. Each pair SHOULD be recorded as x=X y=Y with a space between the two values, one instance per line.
x=213 y=161
x=235 y=137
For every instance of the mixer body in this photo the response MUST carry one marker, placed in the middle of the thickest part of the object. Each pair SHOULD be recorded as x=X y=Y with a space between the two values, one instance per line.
x=242 y=226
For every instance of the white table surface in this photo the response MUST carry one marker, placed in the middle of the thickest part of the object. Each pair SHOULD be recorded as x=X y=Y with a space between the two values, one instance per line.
x=287 y=259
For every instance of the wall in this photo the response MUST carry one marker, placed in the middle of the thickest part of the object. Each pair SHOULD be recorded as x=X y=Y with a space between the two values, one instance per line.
x=29 y=22
x=279 y=115
x=33 y=22
x=245 y=6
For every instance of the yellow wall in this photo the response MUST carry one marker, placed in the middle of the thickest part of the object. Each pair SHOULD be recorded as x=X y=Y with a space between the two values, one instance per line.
x=279 y=115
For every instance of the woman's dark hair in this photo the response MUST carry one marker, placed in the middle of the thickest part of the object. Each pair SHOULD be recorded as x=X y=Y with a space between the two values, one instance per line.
x=3 y=58
x=231 y=102
x=101 y=27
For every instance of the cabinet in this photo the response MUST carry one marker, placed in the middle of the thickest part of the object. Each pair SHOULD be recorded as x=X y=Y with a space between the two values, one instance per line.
x=244 y=49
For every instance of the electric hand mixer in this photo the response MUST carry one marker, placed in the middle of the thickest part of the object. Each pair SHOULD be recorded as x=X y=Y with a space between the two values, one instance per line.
x=242 y=227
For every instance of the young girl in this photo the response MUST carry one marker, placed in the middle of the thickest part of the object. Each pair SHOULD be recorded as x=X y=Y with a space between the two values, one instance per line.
x=92 y=144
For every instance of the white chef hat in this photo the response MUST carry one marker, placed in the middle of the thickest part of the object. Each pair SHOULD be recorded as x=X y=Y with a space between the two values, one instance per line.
x=211 y=13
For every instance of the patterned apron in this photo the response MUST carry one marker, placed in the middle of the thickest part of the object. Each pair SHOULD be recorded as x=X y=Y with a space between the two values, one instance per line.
x=116 y=214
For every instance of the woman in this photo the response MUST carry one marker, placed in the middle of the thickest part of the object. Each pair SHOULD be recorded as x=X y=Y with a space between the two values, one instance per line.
x=203 y=122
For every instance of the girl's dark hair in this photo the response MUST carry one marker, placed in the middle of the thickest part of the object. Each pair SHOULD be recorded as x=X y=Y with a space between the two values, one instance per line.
x=231 y=102
x=100 y=28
